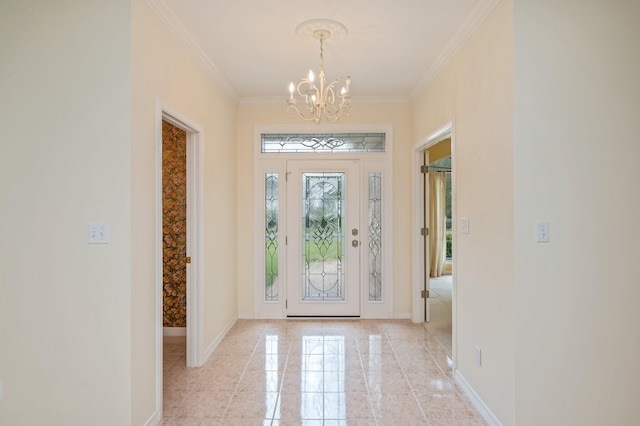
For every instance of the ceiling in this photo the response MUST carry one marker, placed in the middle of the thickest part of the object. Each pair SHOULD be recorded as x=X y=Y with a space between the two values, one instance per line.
x=392 y=50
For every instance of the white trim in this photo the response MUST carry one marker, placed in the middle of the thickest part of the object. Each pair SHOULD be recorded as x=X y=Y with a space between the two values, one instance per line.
x=479 y=14
x=195 y=179
x=155 y=418
x=195 y=205
x=454 y=254
x=187 y=39
x=195 y=225
x=158 y=261
x=356 y=101
x=245 y=315
x=212 y=347
x=475 y=399
x=174 y=331
x=323 y=128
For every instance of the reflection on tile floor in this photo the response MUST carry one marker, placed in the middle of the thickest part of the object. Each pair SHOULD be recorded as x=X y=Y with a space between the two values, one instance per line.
x=440 y=299
x=308 y=372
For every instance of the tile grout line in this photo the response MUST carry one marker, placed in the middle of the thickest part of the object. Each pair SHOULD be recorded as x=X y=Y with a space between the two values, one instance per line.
x=458 y=392
x=186 y=393
x=233 y=393
x=366 y=382
x=406 y=378
x=279 y=399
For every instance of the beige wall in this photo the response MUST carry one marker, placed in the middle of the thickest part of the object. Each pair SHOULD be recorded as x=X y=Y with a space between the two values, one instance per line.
x=162 y=67
x=475 y=90
x=398 y=116
x=64 y=162
x=577 y=145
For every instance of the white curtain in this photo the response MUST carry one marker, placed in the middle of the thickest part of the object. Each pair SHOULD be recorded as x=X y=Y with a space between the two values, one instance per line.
x=437 y=222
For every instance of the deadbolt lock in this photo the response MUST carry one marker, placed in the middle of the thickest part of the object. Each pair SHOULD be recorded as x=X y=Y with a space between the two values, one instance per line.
x=354 y=232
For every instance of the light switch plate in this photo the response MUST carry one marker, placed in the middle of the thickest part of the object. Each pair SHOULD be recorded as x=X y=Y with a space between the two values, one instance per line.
x=465 y=225
x=98 y=233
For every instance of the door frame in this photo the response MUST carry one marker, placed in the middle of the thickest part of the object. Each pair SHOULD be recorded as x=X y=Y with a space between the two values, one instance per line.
x=195 y=204
x=420 y=214
x=276 y=163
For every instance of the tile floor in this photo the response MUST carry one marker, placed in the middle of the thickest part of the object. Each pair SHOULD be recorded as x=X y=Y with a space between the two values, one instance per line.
x=309 y=372
x=440 y=299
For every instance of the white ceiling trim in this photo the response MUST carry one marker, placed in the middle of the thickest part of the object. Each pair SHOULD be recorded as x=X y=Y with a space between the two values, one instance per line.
x=355 y=101
x=479 y=13
x=187 y=39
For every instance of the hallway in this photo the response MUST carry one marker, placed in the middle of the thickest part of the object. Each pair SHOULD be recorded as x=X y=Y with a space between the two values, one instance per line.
x=330 y=372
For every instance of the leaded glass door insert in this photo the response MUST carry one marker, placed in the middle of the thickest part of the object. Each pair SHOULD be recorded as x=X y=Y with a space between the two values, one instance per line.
x=322 y=236
x=323 y=246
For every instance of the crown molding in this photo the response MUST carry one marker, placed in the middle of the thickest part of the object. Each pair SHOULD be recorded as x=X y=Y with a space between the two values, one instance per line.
x=361 y=101
x=184 y=36
x=479 y=13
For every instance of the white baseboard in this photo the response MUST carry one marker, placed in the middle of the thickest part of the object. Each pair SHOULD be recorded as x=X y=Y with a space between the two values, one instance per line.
x=174 y=331
x=154 y=419
x=401 y=315
x=479 y=405
x=212 y=347
x=245 y=315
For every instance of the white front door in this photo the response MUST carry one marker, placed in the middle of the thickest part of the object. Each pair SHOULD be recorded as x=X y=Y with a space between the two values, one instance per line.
x=323 y=238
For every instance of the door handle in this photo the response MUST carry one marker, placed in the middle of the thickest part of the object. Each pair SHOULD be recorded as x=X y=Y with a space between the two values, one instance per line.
x=355 y=243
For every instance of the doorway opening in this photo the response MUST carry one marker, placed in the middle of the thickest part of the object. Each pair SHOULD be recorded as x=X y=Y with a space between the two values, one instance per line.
x=174 y=233
x=178 y=244
x=434 y=237
x=440 y=241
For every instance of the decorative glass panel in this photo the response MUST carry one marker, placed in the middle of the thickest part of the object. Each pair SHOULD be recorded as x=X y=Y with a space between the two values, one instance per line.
x=330 y=142
x=375 y=237
x=271 y=237
x=323 y=239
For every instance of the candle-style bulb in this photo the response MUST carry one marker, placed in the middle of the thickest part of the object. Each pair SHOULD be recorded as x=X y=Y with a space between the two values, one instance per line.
x=311 y=77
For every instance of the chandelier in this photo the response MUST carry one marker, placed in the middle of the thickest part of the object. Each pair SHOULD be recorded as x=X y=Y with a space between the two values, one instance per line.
x=318 y=98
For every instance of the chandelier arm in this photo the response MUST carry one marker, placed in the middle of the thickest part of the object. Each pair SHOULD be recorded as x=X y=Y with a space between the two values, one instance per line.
x=302 y=116
x=319 y=97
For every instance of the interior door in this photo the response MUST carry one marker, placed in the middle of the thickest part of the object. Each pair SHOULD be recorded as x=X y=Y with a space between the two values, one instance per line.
x=323 y=238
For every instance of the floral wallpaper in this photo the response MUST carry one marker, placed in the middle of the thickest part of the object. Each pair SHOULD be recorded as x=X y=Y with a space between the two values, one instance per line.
x=174 y=225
